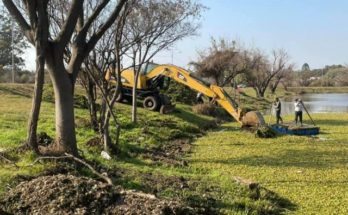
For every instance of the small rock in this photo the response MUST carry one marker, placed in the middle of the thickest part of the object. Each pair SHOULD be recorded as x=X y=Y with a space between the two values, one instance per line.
x=105 y=155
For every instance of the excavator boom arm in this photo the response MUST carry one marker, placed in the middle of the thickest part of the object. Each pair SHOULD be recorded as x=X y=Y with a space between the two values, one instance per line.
x=184 y=77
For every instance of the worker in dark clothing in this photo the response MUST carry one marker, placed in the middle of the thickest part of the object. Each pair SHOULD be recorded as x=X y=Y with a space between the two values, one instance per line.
x=298 y=110
x=278 y=108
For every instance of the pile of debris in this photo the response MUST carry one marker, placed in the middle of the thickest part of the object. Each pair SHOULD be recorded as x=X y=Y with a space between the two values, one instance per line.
x=68 y=194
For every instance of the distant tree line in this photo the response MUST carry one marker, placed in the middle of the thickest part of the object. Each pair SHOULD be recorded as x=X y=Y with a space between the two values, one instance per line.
x=329 y=76
x=21 y=76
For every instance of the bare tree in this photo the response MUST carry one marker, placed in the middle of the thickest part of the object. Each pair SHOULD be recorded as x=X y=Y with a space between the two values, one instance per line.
x=281 y=77
x=106 y=59
x=263 y=71
x=155 y=25
x=73 y=33
x=222 y=62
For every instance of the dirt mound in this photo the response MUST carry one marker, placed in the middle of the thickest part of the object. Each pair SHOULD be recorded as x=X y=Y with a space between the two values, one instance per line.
x=170 y=153
x=156 y=183
x=68 y=194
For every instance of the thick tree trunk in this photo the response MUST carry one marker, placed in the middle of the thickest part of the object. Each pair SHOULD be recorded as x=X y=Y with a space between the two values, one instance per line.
x=260 y=93
x=64 y=106
x=36 y=102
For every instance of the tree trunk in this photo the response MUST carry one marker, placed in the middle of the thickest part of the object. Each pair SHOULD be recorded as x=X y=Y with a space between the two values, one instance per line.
x=134 y=97
x=92 y=104
x=260 y=92
x=102 y=116
x=36 y=102
x=274 y=86
x=273 y=89
x=64 y=106
x=41 y=34
x=106 y=135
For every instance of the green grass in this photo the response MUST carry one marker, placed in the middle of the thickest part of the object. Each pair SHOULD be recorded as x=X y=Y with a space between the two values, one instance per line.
x=299 y=175
x=310 y=172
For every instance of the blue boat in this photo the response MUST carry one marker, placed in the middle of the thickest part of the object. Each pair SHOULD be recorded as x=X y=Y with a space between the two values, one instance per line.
x=293 y=129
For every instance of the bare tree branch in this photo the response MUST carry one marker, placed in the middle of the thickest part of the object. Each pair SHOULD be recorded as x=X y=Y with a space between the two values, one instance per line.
x=23 y=24
x=69 y=25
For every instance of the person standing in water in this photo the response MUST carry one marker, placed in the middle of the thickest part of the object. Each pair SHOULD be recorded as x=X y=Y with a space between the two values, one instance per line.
x=278 y=108
x=298 y=110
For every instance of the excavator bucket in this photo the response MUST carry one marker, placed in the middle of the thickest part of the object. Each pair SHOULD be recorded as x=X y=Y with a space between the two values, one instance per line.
x=247 y=119
x=253 y=119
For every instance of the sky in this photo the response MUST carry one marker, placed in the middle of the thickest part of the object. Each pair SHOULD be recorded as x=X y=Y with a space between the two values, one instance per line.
x=311 y=31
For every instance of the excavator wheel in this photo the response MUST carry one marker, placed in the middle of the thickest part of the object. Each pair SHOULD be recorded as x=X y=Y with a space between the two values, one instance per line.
x=253 y=119
x=151 y=103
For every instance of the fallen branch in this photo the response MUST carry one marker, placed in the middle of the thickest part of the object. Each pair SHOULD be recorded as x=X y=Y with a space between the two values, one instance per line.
x=76 y=159
x=46 y=158
x=102 y=176
x=139 y=194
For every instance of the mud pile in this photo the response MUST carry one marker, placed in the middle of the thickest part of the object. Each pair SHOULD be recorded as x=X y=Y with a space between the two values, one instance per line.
x=68 y=194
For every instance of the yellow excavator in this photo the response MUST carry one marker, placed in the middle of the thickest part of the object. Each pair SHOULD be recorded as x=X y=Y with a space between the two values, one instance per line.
x=156 y=77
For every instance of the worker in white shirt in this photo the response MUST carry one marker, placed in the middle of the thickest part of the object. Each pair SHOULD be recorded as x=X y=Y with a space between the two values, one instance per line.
x=298 y=110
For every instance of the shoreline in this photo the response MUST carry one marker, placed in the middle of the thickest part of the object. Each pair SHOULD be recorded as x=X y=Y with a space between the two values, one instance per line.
x=304 y=90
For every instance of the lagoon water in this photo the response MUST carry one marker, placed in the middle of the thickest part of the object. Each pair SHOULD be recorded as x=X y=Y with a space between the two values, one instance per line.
x=318 y=103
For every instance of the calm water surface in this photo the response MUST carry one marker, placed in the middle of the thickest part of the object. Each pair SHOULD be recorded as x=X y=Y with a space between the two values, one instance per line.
x=318 y=103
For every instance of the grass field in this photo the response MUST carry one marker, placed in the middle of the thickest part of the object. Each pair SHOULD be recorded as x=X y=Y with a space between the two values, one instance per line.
x=310 y=172
x=298 y=175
